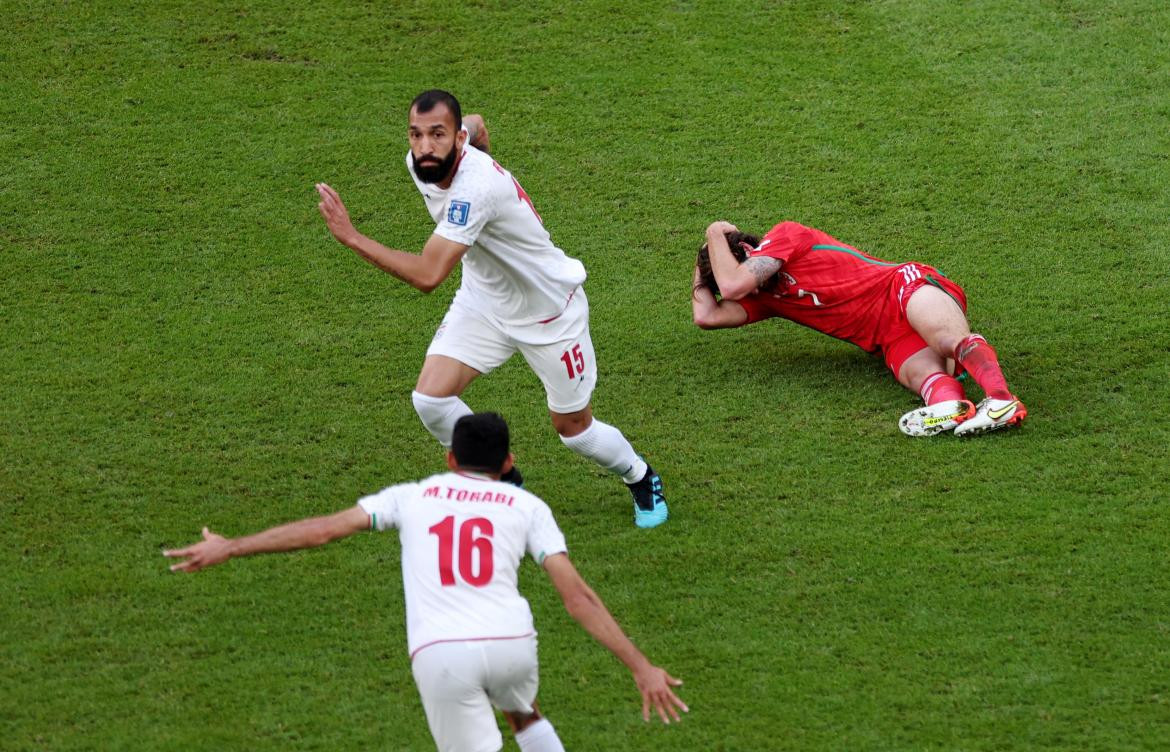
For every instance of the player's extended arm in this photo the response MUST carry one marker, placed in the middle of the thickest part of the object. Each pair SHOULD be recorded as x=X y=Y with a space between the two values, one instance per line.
x=710 y=312
x=424 y=271
x=477 y=132
x=584 y=606
x=735 y=280
x=314 y=531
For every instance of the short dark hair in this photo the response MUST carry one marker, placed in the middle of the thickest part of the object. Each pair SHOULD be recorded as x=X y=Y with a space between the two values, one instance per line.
x=429 y=99
x=740 y=243
x=480 y=442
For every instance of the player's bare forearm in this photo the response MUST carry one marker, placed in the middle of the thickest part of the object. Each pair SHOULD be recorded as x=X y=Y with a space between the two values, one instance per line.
x=708 y=312
x=424 y=271
x=308 y=533
x=292 y=536
x=586 y=608
x=703 y=306
x=588 y=611
x=408 y=267
x=653 y=682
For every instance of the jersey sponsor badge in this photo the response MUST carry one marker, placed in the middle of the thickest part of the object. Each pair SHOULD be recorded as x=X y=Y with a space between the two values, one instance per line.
x=457 y=212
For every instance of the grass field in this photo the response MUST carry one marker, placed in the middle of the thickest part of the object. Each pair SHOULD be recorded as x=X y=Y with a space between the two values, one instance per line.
x=183 y=344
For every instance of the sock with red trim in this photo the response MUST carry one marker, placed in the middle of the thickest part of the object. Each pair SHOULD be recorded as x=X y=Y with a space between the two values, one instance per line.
x=979 y=358
x=940 y=387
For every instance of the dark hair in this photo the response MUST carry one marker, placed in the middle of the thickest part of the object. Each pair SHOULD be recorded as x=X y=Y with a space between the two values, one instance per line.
x=741 y=244
x=427 y=101
x=480 y=442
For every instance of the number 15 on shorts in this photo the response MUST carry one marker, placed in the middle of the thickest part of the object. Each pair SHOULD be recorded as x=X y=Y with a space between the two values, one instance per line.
x=574 y=361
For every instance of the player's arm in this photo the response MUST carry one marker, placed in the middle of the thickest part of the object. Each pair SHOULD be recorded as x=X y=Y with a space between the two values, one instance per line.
x=308 y=533
x=588 y=610
x=736 y=280
x=477 y=132
x=710 y=312
x=424 y=271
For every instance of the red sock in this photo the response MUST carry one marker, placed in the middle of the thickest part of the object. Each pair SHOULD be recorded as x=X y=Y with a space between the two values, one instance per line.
x=939 y=387
x=978 y=357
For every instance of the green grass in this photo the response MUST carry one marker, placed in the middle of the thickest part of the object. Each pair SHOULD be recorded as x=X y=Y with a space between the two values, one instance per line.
x=183 y=344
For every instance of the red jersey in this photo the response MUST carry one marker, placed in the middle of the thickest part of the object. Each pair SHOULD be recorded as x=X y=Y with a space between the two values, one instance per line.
x=825 y=285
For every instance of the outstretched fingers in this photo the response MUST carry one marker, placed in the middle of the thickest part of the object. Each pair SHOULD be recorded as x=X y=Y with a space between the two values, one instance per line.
x=198 y=555
x=185 y=566
x=657 y=694
x=175 y=553
x=329 y=198
x=335 y=214
x=189 y=556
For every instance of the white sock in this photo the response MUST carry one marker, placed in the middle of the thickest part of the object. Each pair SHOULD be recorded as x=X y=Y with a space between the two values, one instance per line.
x=606 y=446
x=540 y=737
x=439 y=414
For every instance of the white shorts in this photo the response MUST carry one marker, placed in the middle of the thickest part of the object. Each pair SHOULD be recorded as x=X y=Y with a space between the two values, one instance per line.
x=559 y=352
x=459 y=682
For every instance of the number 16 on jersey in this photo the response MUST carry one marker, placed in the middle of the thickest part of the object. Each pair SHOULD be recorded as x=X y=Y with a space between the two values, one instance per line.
x=475 y=537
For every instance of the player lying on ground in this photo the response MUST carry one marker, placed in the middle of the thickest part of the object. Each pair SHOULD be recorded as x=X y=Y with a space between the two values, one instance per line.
x=519 y=292
x=909 y=312
x=470 y=633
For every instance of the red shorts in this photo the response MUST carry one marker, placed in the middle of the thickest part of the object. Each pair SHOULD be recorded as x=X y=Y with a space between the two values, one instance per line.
x=897 y=340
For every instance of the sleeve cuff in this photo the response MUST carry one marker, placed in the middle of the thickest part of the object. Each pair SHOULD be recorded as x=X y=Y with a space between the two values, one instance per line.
x=454 y=236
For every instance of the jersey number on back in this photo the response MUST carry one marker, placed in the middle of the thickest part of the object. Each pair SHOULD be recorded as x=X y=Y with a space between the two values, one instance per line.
x=477 y=572
x=520 y=192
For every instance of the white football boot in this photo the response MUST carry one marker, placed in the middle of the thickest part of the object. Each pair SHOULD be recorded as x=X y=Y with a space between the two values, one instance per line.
x=993 y=414
x=936 y=418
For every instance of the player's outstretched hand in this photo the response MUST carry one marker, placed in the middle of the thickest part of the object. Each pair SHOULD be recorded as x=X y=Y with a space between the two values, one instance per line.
x=655 y=685
x=336 y=215
x=213 y=549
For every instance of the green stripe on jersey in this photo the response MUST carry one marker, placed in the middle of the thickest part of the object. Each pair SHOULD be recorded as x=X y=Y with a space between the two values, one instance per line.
x=852 y=252
x=930 y=278
x=373 y=521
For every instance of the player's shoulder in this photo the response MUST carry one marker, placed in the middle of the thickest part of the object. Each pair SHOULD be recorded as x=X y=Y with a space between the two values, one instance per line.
x=477 y=182
x=519 y=502
x=788 y=229
x=531 y=499
x=477 y=167
x=387 y=502
x=786 y=238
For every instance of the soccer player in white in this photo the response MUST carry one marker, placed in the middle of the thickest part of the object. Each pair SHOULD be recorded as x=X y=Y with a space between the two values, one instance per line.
x=519 y=292
x=470 y=633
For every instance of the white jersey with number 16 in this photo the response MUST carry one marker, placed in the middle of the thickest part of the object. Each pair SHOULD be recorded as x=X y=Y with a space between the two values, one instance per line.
x=463 y=537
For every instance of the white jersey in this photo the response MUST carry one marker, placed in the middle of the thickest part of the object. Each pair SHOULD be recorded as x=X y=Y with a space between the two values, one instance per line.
x=511 y=271
x=463 y=537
